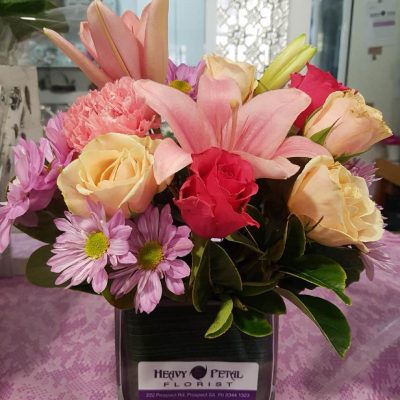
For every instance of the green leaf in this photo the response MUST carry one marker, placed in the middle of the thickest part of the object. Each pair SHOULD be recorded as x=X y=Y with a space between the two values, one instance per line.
x=45 y=231
x=258 y=234
x=348 y=258
x=320 y=136
x=320 y=271
x=326 y=316
x=275 y=252
x=197 y=254
x=267 y=303
x=202 y=288
x=256 y=288
x=295 y=245
x=124 y=303
x=39 y=273
x=84 y=288
x=37 y=270
x=223 y=320
x=252 y=323
x=292 y=243
x=240 y=239
x=174 y=297
x=223 y=271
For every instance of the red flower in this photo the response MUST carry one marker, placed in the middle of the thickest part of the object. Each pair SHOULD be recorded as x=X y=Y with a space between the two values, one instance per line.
x=318 y=85
x=213 y=200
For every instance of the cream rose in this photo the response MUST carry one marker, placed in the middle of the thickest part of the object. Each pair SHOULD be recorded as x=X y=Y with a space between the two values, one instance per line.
x=242 y=73
x=355 y=126
x=113 y=169
x=326 y=195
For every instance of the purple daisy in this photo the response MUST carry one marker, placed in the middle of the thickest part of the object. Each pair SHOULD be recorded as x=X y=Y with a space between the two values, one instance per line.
x=156 y=244
x=87 y=245
x=382 y=254
x=363 y=169
x=184 y=77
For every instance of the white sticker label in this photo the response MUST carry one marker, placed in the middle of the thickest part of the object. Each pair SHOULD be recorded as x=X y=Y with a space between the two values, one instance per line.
x=202 y=379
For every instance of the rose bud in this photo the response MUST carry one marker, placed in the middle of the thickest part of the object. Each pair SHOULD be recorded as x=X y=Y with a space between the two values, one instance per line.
x=242 y=73
x=346 y=126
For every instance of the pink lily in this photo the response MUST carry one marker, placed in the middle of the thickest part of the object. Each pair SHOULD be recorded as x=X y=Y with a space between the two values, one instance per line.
x=257 y=130
x=121 y=46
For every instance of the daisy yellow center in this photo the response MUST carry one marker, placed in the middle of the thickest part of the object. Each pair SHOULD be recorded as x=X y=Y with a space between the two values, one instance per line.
x=183 y=86
x=150 y=255
x=96 y=245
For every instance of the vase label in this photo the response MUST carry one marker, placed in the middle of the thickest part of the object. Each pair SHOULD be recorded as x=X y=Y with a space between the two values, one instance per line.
x=197 y=380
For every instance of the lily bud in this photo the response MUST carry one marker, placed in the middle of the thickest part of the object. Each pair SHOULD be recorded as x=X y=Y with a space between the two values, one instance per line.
x=291 y=60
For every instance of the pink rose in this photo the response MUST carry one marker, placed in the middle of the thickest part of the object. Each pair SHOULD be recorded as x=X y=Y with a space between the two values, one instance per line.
x=213 y=199
x=318 y=85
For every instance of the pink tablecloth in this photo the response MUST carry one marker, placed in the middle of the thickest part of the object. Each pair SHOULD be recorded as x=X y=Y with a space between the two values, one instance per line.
x=58 y=345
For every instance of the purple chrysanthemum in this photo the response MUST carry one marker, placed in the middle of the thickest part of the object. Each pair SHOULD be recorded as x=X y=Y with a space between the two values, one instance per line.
x=362 y=168
x=185 y=78
x=156 y=243
x=31 y=190
x=87 y=245
x=55 y=134
x=381 y=254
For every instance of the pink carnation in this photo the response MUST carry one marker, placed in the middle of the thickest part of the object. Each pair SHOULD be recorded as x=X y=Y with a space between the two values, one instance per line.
x=114 y=108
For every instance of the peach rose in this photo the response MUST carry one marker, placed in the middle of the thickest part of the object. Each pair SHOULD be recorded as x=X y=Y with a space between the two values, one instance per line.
x=329 y=198
x=355 y=126
x=115 y=170
x=242 y=73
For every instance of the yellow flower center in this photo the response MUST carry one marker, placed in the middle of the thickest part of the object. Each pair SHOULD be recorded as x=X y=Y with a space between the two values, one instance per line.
x=96 y=245
x=150 y=255
x=183 y=86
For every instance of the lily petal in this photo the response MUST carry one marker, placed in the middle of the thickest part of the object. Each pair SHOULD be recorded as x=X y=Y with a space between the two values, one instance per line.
x=156 y=41
x=141 y=32
x=86 y=39
x=95 y=74
x=215 y=98
x=182 y=114
x=131 y=20
x=277 y=168
x=169 y=158
x=116 y=45
x=300 y=146
x=265 y=121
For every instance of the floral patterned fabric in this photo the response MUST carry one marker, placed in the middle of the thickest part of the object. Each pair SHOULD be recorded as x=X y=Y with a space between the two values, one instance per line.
x=308 y=369
x=58 y=344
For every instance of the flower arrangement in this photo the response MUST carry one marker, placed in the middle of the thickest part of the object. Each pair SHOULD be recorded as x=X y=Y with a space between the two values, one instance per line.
x=252 y=195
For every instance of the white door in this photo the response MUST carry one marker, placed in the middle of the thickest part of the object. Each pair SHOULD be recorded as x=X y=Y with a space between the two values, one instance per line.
x=254 y=30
